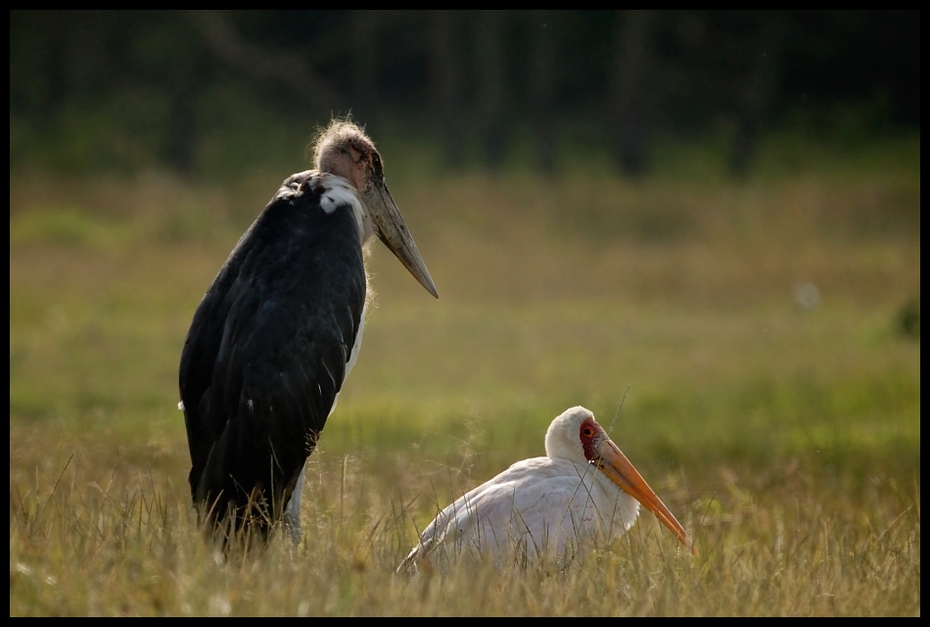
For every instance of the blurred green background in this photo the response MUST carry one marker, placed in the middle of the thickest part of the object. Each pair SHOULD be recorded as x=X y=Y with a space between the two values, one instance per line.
x=720 y=207
x=720 y=210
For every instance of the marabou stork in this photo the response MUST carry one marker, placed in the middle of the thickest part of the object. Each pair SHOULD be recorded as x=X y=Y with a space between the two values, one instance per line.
x=584 y=492
x=278 y=332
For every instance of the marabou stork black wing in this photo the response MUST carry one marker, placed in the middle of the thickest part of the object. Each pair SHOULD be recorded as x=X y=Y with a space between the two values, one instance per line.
x=267 y=350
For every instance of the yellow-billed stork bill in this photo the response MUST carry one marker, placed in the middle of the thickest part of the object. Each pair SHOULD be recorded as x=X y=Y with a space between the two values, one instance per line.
x=278 y=331
x=583 y=493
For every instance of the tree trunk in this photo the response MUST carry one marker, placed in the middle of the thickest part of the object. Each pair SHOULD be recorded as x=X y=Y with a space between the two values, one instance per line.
x=446 y=83
x=490 y=63
x=629 y=98
x=544 y=41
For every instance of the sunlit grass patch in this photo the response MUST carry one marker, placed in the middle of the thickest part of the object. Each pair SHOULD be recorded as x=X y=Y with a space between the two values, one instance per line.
x=784 y=433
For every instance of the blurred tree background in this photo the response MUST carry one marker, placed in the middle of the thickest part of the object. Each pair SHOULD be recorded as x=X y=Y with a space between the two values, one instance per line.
x=203 y=93
x=717 y=211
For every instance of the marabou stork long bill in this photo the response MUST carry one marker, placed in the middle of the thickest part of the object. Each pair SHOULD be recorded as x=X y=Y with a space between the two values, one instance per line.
x=584 y=492
x=275 y=336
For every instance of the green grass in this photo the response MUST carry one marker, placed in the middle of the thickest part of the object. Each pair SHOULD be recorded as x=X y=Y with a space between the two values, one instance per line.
x=786 y=440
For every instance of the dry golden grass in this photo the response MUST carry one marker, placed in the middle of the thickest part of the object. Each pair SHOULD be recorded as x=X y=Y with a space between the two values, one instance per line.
x=786 y=439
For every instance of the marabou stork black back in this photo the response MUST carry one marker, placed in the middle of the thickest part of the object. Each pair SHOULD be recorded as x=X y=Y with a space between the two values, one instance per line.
x=278 y=332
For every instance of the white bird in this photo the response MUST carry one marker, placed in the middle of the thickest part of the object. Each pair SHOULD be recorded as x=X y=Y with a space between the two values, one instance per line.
x=277 y=333
x=583 y=491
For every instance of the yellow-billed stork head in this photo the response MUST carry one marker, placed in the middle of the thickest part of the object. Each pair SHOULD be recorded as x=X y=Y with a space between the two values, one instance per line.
x=577 y=436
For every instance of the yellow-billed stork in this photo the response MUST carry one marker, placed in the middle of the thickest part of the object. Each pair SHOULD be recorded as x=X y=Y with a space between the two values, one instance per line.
x=583 y=493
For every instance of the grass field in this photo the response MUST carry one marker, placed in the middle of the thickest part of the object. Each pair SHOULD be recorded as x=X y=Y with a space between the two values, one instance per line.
x=774 y=399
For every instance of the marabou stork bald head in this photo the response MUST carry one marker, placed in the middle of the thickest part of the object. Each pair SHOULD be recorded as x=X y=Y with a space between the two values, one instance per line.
x=345 y=150
x=278 y=331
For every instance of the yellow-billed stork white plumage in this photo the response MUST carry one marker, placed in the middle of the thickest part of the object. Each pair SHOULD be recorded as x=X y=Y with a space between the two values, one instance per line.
x=583 y=493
